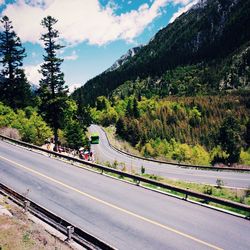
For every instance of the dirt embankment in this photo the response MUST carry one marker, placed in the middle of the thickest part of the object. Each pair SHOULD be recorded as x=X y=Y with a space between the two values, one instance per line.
x=17 y=232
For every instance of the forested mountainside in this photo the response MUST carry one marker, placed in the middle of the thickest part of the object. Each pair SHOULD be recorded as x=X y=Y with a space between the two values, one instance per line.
x=212 y=38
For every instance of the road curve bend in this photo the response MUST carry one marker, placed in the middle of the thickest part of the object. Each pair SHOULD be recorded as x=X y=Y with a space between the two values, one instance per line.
x=103 y=153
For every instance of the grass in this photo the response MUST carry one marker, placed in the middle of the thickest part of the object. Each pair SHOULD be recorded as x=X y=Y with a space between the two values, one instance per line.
x=239 y=196
x=119 y=143
x=231 y=194
x=236 y=195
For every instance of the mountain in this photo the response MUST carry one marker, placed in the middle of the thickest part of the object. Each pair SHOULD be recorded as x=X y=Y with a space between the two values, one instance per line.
x=124 y=58
x=212 y=39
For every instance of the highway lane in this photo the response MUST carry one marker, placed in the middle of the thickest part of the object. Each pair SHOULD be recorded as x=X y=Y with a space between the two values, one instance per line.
x=124 y=215
x=103 y=153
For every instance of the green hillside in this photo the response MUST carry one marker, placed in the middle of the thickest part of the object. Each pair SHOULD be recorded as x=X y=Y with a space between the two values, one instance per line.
x=212 y=38
x=184 y=96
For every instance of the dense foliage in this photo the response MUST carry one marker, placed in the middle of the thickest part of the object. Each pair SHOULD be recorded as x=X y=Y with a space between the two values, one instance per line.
x=180 y=128
x=30 y=125
x=14 y=87
x=205 y=38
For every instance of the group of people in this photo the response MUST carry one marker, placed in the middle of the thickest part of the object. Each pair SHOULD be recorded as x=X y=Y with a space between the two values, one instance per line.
x=84 y=153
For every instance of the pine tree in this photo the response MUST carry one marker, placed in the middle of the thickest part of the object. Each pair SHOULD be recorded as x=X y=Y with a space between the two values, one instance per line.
x=229 y=138
x=129 y=108
x=52 y=91
x=136 y=112
x=14 y=87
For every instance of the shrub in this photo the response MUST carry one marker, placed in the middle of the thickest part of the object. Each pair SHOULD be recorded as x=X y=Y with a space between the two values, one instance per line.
x=217 y=155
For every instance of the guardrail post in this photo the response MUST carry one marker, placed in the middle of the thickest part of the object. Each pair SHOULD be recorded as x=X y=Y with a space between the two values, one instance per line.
x=186 y=195
x=70 y=231
x=26 y=206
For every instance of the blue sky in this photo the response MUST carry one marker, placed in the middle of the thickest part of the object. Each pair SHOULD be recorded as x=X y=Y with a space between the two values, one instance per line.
x=95 y=32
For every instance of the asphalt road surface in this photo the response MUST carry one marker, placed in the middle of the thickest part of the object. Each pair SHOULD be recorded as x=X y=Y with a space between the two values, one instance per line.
x=123 y=215
x=103 y=153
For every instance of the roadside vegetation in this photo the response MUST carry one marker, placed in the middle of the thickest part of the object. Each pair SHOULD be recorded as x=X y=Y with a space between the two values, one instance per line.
x=217 y=190
x=198 y=130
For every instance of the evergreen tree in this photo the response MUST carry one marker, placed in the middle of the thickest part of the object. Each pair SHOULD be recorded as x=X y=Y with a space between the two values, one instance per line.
x=129 y=108
x=52 y=91
x=75 y=135
x=247 y=134
x=14 y=87
x=136 y=113
x=84 y=115
x=230 y=138
x=121 y=127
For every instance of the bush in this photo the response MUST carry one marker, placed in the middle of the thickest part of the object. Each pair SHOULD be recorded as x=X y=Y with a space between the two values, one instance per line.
x=208 y=190
x=30 y=126
x=148 y=150
x=245 y=157
x=217 y=155
x=200 y=156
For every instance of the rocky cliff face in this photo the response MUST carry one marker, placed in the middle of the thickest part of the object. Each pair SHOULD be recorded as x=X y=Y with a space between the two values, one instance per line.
x=124 y=58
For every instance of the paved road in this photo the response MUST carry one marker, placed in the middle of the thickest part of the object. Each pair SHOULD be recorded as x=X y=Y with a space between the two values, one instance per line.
x=124 y=215
x=103 y=152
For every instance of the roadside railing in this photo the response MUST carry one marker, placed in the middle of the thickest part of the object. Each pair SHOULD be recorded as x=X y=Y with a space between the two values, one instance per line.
x=72 y=232
x=139 y=179
x=175 y=163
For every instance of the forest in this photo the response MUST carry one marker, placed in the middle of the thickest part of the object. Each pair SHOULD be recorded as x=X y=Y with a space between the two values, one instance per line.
x=198 y=130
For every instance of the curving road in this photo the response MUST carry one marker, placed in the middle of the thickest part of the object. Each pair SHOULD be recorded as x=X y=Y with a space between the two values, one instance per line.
x=103 y=153
x=124 y=215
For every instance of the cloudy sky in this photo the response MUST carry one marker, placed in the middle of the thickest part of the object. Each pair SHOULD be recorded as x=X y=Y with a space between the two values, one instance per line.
x=95 y=32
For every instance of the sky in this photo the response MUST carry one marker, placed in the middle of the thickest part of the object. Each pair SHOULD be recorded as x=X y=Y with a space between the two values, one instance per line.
x=95 y=33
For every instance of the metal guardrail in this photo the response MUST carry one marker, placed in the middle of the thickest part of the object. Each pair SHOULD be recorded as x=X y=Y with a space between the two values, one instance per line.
x=72 y=232
x=139 y=179
x=176 y=163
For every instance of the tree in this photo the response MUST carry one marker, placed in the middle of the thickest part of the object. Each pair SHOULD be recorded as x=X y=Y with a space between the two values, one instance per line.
x=75 y=135
x=229 y=138
x=136 y=113
x=14 y=87
x=52 y=91
x=121 y=127
x=129 y=108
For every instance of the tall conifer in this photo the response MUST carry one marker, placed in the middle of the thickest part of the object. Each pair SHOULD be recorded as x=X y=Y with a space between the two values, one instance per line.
x=53 y=92
x=14 y=87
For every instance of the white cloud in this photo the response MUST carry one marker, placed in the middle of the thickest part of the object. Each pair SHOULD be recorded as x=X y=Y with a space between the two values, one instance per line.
x=182 y=2
x=32 y=73
x=71 y=57
x=82 y=20
x=183 y=9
